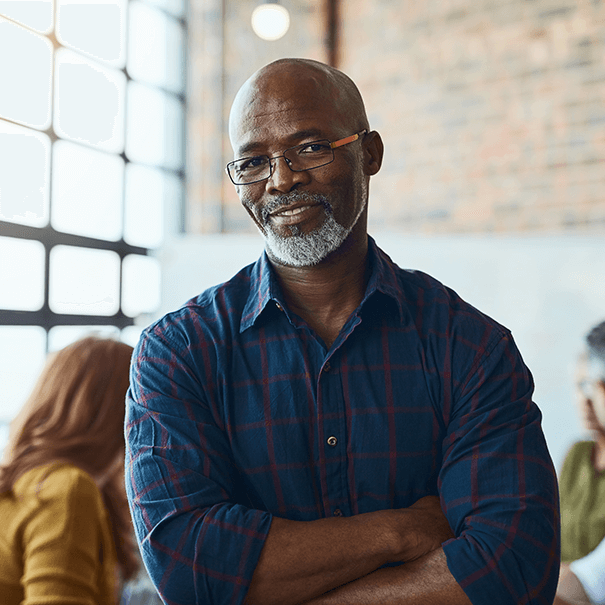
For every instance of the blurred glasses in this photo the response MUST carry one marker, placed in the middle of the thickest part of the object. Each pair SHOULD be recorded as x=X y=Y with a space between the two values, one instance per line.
x=299 y=158
x=587 y=388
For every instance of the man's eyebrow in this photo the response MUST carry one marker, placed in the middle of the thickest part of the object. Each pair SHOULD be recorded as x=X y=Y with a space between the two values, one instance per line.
x=294 y=139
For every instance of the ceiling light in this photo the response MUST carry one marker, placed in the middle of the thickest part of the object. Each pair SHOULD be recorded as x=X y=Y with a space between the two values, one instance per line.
x=270 y=21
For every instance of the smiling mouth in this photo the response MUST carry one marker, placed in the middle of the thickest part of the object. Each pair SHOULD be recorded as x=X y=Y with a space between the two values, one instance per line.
x=294 y=216
x=291 y=212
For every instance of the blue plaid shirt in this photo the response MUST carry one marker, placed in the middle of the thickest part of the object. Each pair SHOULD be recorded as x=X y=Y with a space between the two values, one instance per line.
x=238 y=412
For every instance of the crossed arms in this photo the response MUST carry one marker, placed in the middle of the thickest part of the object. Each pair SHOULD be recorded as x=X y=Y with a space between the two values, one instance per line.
x=336 y=561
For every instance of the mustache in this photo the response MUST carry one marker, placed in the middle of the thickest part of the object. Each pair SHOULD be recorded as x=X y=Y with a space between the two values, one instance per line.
x=287 y=199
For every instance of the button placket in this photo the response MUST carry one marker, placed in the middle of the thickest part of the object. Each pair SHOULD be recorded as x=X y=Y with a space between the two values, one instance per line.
x=330 y=387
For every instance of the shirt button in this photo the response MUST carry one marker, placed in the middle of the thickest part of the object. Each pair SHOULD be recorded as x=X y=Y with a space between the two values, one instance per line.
x=327 y=366
x=332 y=441
x=337 y=513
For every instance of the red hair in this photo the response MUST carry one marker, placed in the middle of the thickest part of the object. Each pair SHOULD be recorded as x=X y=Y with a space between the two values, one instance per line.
x=75 y=414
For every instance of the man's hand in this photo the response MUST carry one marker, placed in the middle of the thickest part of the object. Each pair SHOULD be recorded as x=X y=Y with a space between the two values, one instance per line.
x=422 y=528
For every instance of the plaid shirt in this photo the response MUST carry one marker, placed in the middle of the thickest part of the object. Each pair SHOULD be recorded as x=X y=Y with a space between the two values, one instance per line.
x=238 y=412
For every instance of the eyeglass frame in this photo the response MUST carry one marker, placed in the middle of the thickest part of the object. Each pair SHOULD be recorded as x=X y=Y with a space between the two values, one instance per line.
x=333 y=145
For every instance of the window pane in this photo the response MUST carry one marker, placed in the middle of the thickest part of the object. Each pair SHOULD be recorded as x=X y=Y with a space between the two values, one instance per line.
x=155 y=127
x=174 y=7
x=140 y=285
x=22 y=355
x=24 y=175
x=61 y=336
x=147 y=191
x=37 y=14
x=131 y=335
x=89 y=102
x=26 y=77
x=87 y=191
x=94 y=28
x=155 y=48
x=84 y=281
x=21 y=274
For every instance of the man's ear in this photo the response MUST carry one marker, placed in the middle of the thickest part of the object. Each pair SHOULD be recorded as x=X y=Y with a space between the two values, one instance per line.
x=373 y=151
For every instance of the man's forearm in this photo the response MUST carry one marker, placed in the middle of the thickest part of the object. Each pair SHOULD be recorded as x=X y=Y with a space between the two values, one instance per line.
x=426 y=581
x=303 y=560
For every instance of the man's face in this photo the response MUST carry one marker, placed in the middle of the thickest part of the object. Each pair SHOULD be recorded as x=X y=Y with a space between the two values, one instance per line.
x=304 y=216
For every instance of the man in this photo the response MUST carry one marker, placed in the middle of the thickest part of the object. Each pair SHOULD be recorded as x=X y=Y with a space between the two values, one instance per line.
x=290 y=430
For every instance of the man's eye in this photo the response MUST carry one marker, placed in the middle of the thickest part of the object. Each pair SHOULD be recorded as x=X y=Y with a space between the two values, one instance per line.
x=252 y=163
x=314 y=148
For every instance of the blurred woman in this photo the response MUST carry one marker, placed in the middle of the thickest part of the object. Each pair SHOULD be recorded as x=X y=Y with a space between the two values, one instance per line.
x=582 y=480
x=66 y=534
x=582 y=487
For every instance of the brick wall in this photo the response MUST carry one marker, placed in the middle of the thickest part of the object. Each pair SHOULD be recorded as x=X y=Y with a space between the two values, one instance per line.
x=492 y=111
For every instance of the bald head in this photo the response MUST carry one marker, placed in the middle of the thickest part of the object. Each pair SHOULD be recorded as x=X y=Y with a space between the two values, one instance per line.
x=312 y=200
x=287 y=82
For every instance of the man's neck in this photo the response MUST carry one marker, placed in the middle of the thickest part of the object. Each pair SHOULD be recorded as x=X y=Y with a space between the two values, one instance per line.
x=324 y=295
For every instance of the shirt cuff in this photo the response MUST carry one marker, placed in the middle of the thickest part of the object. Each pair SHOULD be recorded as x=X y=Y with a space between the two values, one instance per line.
x=590 y=570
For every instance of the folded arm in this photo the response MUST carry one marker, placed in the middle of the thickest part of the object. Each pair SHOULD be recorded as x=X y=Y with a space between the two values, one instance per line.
x=425 y=581
x=302 y=560
x=498 y=485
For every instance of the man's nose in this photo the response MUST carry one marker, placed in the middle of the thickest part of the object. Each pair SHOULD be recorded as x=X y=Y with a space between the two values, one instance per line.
x=283 y=179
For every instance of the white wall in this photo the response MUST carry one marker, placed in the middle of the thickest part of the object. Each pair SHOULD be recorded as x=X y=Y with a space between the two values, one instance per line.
x=549 y=290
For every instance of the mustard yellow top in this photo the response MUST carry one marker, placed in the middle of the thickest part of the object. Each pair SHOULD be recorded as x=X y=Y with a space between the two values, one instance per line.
x=56 y=545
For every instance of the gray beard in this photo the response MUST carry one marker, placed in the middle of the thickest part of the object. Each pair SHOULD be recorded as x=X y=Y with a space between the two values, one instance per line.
x=304 y=249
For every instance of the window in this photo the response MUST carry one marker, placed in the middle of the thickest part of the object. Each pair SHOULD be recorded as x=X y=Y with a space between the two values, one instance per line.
x=92 y=122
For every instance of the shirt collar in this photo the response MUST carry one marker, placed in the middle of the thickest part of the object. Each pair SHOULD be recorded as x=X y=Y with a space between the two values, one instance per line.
x=261 y=279
x=383 y=277
x=265 y=288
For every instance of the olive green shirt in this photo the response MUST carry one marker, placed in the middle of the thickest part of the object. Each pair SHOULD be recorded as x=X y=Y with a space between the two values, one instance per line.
x=582 y=493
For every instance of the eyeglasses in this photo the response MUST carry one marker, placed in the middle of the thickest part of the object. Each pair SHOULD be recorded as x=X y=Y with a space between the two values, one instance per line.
x=298 y=159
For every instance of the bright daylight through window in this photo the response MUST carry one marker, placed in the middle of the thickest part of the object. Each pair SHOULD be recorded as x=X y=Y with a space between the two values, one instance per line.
x=92 y=119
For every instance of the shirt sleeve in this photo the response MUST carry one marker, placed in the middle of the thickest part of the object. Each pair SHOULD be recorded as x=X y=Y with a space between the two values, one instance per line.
x=590 y=570
x=63 y=540
x=199 y=540
x=498 y=484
